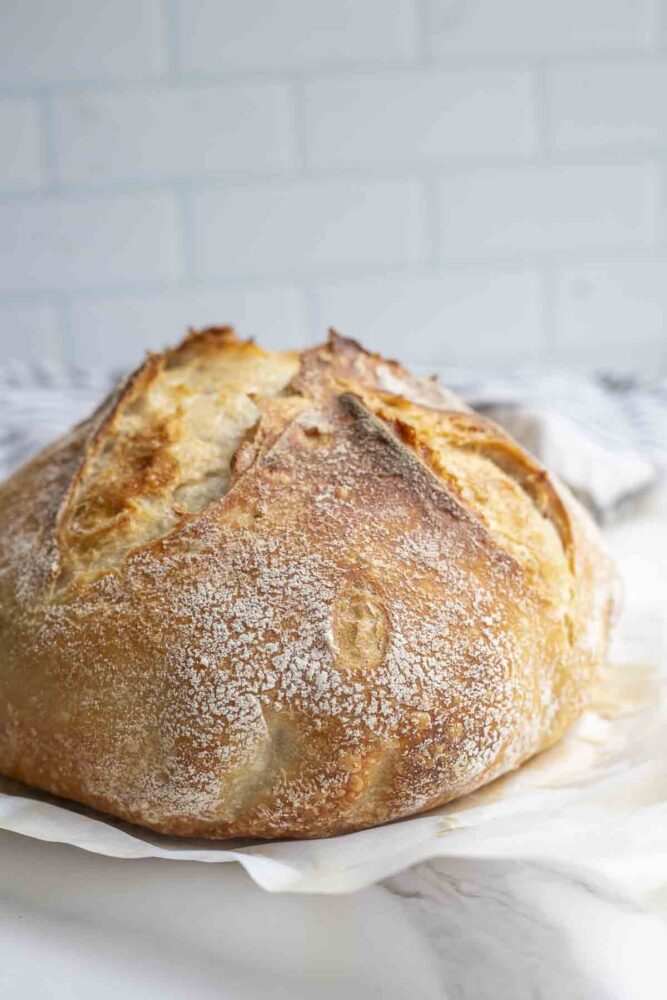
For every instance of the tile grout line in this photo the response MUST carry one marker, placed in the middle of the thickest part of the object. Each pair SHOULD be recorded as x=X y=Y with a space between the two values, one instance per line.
x=479 y=267
x=170 y=40
x=299 y=126
x=661 y=28
x=424 y=53
x=662 y=205
x=48 y=140
x=549 y=295
x=431 y=211
x=466 y=64
x=608 y=159
x=542 y=111
x=186 y=225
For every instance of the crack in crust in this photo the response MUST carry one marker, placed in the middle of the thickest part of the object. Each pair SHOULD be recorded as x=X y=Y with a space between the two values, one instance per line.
x=162 y=449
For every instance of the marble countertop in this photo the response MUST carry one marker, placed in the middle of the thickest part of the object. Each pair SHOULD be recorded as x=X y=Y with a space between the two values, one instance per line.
x=74 y=924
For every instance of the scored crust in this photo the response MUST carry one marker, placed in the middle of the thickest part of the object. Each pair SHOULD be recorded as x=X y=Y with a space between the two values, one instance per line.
x=279 y=595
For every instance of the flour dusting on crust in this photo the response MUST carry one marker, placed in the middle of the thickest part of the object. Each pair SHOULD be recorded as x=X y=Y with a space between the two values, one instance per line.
x=362 y=618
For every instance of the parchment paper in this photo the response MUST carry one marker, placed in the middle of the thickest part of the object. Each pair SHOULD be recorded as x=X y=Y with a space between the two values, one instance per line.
x=597 y=801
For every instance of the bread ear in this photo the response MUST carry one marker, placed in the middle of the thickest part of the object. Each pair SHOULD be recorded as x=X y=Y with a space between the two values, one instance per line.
x=472 y=432
x=162 y=447
x=98 y=439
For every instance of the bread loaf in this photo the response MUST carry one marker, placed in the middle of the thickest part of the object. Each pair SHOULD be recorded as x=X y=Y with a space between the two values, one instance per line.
x=288 y=595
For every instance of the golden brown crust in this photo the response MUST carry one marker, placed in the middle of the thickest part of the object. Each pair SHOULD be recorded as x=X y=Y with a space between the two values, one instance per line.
x=263 y=595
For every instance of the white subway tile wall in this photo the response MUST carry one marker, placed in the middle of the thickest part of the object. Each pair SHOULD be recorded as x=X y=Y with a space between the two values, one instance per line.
x=62 y=243
x=617 y=107
x=307 y=225
x=403 y=118
x=530 y=27
x=628 y=300
x=549 y=210
x=467 y=182
x=457 y=316
x=21 y=166
x=273 y=315
x=44 y=41
x=217 y=35
x=173 y=133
